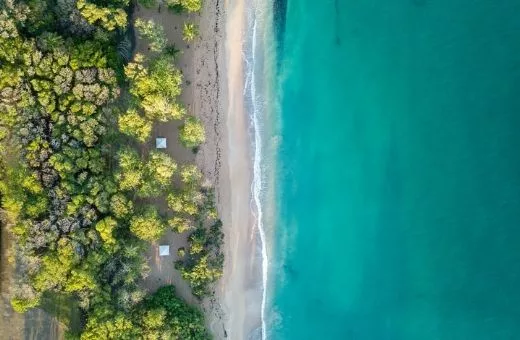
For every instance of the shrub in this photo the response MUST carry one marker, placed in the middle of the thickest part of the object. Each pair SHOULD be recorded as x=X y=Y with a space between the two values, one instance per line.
x=190 y=32
x=148 y=225
x=192 y=133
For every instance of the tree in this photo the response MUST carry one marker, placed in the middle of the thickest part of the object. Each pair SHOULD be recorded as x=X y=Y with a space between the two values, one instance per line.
x=156 y=89
x=120 y=206
x=130 y=175
x=108 y=18
x=188 y=5
x=162 y=108
x=190 y=32
x=200 y=275
x=165 y=77
x=131 y=123
x=185 y=201
x=180 y=224
x=190 y=175
x=110 y=326
x=21 y=305
x=105 y=228
x=153 y=32
x=160 y=168
x=147 y=225
x=192 y=133
x=182 y=321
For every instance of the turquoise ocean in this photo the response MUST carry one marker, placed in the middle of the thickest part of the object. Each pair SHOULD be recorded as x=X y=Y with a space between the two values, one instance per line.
x=394 y=208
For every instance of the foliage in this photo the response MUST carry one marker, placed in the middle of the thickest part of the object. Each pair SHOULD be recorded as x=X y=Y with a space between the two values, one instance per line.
x=148 y=179
x=67 y=188
x=120 y=206
x=152 y=31
x=133 y=124
x=105 y=228
x=181 y=320
x=148 y=225
x=202 y=263
x=108 y=17
x=188 y=5
x=190 y=32
x=192 y=133
x=148 y=3
x=156 y=89
x=191 y=176
x=180 y=224
x=161 y=315
x=130 y=176
x=186 y=201
x=22 y=305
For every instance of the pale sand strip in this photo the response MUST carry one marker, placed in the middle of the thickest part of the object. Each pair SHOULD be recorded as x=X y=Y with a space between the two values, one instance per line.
x=226 y=158
x=240 y=287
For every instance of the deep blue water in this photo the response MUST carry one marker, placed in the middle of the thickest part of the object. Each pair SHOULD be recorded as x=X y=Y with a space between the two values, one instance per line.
x=398 y=171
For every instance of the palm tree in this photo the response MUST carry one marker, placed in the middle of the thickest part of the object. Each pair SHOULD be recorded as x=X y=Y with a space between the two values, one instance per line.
x=190 y=32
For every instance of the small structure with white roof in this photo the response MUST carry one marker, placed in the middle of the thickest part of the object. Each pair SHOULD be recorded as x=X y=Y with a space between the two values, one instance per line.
x=160 y=143
x=164 y=250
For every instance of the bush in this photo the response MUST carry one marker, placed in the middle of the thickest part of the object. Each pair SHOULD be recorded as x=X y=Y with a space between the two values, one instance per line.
x=188 y=5
x=190 y=32
x=133 y=124
x=148 y=225
x=192 y=133
x=153 y=32
x=21 y=305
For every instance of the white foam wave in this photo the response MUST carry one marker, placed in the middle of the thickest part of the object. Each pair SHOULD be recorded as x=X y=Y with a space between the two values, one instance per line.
x=258 y=59
x=257 y=180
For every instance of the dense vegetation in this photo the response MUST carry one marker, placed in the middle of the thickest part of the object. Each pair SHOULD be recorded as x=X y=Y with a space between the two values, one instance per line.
x=78 y=205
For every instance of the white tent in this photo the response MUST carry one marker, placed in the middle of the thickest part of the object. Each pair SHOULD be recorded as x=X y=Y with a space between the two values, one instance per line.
x=164 y=250
x=160 y=143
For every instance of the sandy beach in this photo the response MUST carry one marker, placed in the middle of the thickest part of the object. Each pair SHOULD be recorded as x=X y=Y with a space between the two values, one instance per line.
x=218 y=100
x=212 y=67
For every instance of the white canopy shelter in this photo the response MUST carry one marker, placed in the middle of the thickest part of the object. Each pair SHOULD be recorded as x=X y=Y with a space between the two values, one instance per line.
x=164 y=250
x=160 y=143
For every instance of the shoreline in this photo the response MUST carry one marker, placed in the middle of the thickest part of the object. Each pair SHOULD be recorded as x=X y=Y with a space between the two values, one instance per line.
x=227 y=161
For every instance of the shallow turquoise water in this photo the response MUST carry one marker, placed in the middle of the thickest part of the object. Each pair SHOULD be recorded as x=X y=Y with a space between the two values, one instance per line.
x=398 y=182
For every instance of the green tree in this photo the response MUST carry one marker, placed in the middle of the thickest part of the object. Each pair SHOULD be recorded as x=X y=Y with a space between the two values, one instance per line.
x=130 y=175
x=133 y=124
x=147 y=225
x=191 y=176
x=188 y=5
x=185 y=201
x=105 y=228
x=156 y=89
x=200 y=275
x=182 y=321
x=120 y=206
x=161 y=168
x=165 y=77
x=153 y=32
x=192 y=133
x=190 y=32
x=21 y=305
x=110 y=327
x=108 y=18
x=180 y=224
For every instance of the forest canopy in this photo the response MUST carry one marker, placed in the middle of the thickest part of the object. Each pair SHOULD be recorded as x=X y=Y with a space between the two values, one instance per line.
x=73 y=175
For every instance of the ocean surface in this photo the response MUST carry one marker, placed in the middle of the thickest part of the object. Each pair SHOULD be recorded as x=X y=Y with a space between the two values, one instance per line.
x=393 y=138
